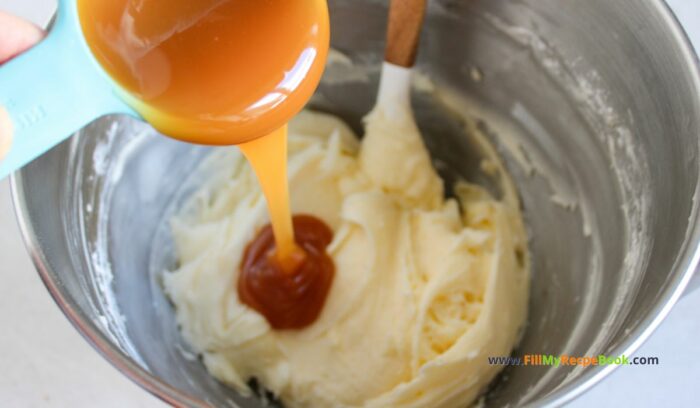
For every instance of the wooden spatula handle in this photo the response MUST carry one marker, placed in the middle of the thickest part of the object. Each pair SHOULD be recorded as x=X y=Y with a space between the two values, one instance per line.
x=403 y=35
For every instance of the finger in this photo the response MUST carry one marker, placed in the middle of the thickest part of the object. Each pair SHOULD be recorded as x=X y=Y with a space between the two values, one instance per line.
x=16 y=36
x=5 y=133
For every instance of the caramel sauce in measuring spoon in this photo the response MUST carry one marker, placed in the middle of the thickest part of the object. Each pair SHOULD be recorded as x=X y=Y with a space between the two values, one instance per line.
x=231 y=72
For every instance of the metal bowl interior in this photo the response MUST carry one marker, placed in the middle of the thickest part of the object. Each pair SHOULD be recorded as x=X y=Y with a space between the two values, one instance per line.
x=594 y=106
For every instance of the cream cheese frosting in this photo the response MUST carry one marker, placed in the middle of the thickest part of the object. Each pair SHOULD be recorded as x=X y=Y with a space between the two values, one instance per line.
x=426 y=288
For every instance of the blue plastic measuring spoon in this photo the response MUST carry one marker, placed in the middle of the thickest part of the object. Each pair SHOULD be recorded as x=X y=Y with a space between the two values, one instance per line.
x=53 y=90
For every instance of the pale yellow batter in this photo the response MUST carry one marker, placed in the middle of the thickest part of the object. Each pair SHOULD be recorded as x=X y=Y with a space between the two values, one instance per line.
x=425 y=289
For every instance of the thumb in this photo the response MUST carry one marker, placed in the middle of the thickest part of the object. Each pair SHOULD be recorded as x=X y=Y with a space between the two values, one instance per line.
x=16 y=36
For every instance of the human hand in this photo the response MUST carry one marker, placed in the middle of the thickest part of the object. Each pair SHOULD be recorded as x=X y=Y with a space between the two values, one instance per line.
x=16 y=36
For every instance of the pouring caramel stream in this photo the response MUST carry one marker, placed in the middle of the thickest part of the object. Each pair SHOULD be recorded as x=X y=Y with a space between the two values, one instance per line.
x=230 y=72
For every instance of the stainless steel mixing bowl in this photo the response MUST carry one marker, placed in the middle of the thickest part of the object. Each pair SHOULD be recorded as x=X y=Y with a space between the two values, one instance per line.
x=594 y=104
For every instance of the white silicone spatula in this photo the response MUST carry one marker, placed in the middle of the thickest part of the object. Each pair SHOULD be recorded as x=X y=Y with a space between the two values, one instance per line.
x=403 y=34
x=392 y=137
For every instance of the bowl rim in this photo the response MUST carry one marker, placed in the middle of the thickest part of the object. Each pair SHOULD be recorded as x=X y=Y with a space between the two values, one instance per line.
x=687 y=261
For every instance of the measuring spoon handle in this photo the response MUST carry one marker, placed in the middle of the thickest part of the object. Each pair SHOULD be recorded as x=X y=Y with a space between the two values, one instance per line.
x=53 y=90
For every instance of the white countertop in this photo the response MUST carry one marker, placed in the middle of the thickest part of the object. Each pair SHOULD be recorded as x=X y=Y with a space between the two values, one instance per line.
x=46 y=363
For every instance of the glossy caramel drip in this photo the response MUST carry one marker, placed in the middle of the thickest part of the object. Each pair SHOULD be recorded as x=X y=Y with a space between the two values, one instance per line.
x=268 y=158
x=289 y=296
